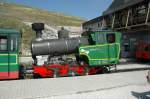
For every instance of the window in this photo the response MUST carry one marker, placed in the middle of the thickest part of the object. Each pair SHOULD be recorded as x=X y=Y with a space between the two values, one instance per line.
x=111 y=38
x=126 y=48
x=100 y=38
x=98 y=25
x=147 y=48
x=92 y=39
x=3 y=43
x=141 y=10
x=13 y=43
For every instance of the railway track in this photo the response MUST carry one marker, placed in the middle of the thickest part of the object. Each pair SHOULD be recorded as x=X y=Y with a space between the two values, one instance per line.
x=130 y=70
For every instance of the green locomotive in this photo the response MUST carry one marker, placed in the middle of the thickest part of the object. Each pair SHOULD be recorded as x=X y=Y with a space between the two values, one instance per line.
x=104 y=49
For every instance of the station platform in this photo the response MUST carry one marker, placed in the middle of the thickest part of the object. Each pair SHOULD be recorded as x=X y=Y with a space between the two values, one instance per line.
x=132 y=66
x=75 y=87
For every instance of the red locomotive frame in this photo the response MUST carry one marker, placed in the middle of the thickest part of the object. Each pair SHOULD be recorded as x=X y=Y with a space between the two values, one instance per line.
x=64 y=70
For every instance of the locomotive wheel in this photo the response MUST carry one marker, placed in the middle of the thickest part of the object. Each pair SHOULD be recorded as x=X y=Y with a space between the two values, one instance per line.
x=86 y=71
x=36 y=76
x=105 y=70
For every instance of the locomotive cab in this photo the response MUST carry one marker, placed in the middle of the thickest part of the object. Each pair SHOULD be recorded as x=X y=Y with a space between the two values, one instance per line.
x=104 y=48
x=9 y=52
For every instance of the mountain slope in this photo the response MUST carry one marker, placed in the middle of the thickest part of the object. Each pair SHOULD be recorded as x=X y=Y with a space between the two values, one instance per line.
x=15 y=16
x=37 y=15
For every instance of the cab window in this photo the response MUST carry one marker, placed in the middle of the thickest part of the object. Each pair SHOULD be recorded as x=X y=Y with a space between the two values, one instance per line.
x=100 y=38
x=3 y=43
x=92 y=39
x=111 y=38
x=13 y=43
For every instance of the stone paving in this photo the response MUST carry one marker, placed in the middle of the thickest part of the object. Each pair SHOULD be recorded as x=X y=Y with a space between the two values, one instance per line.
x=61 y=87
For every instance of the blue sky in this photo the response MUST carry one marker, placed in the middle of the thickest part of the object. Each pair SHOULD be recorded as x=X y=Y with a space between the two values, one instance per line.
x=87 y=9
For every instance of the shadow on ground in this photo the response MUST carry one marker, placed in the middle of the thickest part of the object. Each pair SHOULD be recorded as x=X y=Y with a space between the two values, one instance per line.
x=144 y=95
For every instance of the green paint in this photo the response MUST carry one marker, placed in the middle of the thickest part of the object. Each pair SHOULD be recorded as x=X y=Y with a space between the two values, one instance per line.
x=9 y=31
x=11 y=68
x=102 y=52
x=8 y=62
x=9 y=59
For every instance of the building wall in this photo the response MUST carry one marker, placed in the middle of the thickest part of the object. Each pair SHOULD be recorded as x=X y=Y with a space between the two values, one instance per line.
x=125 y=15
x=96 y=25
x=130 y=42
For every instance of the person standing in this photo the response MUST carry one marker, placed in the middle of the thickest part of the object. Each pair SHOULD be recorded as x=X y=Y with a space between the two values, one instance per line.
x=148 y=77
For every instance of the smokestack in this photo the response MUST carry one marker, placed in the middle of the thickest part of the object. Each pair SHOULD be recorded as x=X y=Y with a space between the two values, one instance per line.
x=38 y=27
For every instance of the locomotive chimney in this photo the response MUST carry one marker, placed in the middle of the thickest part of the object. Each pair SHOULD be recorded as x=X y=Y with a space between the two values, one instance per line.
x=38 y=27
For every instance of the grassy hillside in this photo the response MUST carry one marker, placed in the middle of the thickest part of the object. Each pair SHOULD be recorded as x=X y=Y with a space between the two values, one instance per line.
x=13 y=16
x=37 y=15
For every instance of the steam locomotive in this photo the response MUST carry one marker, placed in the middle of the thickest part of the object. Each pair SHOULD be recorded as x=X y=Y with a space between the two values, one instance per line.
x=92 y=53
